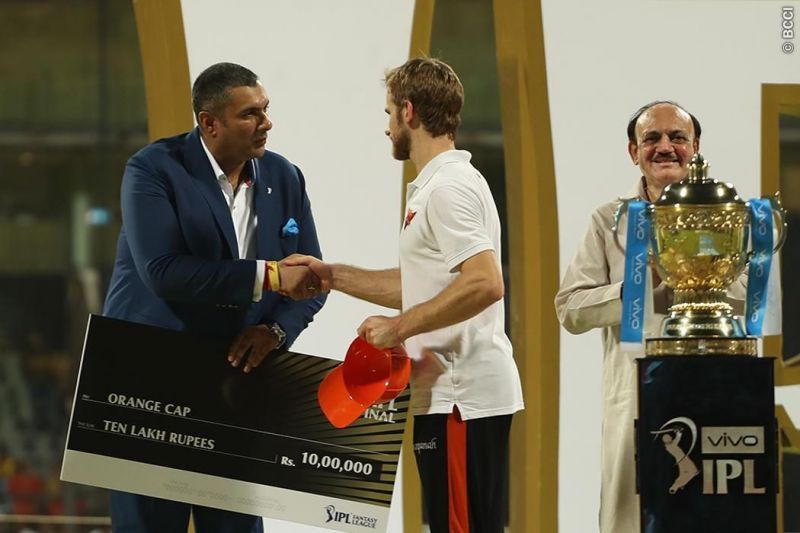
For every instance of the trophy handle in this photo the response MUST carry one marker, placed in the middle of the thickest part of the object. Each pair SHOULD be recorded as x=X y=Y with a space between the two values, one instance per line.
x=621 y=208
x=780 y=214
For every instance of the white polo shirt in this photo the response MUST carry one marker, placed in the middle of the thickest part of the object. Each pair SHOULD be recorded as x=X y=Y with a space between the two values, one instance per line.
x=450 y=217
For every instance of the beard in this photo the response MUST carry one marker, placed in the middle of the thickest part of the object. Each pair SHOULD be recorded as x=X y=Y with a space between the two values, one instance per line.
x=401 y=147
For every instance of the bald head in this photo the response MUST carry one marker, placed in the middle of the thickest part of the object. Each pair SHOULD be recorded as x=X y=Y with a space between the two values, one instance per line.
x=631 y=130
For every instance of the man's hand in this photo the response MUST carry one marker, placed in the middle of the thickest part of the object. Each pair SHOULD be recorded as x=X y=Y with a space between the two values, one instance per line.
x=380 y=331
x=298 y=281
x=258 y=340
x=321 y=270
x=663 y=296
x=655 y=277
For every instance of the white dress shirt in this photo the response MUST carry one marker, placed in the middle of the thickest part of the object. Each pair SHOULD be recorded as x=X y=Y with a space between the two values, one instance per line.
x=241 y=205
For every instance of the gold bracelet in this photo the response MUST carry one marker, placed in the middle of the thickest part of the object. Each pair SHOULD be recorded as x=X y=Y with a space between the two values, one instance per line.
x=273 y=273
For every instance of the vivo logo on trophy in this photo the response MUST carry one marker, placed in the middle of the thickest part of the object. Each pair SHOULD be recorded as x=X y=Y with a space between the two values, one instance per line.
x=719 y=476
x=700 y=236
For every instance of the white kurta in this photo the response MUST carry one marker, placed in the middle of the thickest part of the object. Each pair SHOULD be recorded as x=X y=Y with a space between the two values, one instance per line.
x=589 y=297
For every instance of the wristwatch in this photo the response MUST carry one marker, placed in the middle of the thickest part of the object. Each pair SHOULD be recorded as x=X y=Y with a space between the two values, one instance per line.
x=277 y=330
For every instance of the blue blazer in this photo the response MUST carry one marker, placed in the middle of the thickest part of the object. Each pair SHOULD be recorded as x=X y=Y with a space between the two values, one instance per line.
x=178 y=264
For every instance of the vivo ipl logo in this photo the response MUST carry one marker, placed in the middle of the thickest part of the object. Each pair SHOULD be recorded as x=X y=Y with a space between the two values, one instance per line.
x=761 y=219
x=671 y=434
x=638 y=261
x=638 y=278
x=636 y=314
x=638 y=268
x=756 y=305
x=715 y=440
x=740 y=440
x=641 y=221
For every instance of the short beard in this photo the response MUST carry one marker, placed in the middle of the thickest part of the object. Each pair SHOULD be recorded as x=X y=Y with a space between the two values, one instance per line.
x=401 y=147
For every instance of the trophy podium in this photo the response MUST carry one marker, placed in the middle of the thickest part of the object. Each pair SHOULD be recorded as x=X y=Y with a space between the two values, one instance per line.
x=706 y=435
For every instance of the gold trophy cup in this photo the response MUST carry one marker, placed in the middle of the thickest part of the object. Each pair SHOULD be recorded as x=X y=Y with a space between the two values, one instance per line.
x=699 y=246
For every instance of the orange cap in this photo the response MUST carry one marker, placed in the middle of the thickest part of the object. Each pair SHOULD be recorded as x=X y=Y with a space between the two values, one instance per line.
x=367 y=376
x=399 y=375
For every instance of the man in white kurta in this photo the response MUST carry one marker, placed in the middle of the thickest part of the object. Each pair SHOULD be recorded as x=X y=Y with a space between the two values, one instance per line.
x=589 y=298
x=662 y=138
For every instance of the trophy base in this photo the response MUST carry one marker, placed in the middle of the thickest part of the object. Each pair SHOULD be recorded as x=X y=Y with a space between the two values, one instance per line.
x=701 y=346
x=682 y=325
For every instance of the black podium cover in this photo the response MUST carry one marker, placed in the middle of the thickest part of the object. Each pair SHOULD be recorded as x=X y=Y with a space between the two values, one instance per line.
x=706 y=444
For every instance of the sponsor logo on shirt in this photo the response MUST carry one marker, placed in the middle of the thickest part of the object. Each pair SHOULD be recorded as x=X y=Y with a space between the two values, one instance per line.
x=409 y=217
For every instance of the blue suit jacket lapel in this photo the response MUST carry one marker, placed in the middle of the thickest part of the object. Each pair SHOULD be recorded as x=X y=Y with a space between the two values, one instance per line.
x=200 y=169
x=266 y=212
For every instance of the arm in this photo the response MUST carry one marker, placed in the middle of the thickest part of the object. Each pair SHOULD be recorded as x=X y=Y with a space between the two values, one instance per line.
x=291 y=316
x=587 y=297
x=381 y=287
x=479 y=284
x=458 y=221
x=737 y=293
x=160 y=253
x=163 y=258
x=663 y=295
x=294 y=316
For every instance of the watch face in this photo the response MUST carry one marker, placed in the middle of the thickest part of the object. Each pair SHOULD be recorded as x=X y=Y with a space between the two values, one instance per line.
x=278 y=331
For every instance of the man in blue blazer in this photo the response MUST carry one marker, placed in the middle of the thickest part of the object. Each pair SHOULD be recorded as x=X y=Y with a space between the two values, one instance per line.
x=205 y=215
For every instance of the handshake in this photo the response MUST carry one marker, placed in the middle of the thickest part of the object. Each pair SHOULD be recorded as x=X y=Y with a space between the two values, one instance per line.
x=304 y=276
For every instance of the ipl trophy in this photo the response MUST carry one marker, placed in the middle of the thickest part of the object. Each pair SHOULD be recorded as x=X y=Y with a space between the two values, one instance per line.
x=706 y=449
x=699 y=236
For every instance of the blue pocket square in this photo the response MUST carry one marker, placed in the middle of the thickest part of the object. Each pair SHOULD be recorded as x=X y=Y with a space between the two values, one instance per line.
x=290 y=228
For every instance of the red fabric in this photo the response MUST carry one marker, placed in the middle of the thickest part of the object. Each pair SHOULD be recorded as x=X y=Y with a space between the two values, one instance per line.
x=457 y=473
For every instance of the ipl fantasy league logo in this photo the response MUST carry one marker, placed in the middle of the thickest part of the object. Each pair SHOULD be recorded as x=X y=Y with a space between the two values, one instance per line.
x=332 y=515
x=739 y=443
